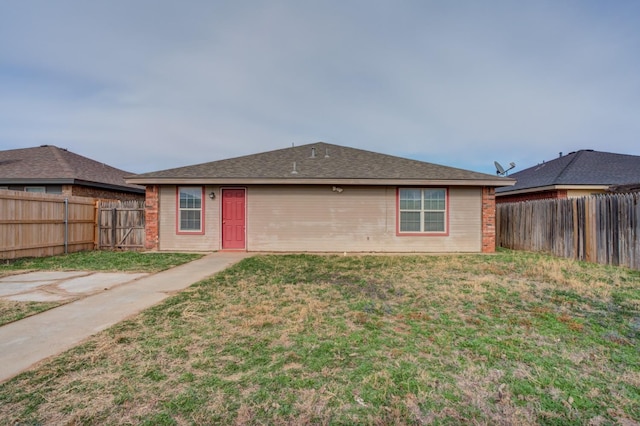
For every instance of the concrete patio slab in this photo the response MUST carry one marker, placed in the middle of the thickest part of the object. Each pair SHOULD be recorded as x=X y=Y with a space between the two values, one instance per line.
x=57 y=286
x=42 y=276
x=11 y=288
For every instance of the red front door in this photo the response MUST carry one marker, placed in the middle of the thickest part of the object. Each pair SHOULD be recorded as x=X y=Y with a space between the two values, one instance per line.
x=233 y=219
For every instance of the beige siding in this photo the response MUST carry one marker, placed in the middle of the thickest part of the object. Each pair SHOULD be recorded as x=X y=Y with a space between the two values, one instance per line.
x=577 y=193
x=317 y=219
x=169 y=238
x=360 y=219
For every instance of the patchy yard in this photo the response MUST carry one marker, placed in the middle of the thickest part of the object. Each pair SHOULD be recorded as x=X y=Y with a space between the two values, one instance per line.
x=514 y=338
x=104 y=261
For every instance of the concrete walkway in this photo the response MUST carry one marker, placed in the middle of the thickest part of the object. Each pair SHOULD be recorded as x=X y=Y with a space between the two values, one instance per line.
x=28 y=341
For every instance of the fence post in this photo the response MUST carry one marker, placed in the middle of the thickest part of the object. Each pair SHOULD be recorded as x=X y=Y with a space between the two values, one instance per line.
x=114 y=229
x=96 y=218
x=66 y=226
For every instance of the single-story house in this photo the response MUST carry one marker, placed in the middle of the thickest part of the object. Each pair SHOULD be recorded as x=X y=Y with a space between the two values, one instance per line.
x=320 y=198
x=577 y=174
x=54 y=170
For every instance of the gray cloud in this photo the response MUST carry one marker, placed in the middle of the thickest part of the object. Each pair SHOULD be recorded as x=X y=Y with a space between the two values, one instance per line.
x=150 y=85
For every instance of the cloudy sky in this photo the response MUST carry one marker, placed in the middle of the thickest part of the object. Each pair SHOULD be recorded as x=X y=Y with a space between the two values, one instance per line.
x=146 y=85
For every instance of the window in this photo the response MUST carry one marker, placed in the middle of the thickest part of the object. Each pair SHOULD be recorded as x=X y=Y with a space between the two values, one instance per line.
x=422 y=210
x=35 y=189
x=190 y=209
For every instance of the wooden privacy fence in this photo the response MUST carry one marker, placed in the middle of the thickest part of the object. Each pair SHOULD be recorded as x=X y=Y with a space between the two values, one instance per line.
x=601 y=228
x=121 y=224
x=35 y=225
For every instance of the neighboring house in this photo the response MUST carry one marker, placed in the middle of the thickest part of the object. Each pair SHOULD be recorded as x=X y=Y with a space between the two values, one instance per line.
x=634 y=187
x=576 y=174
x=320 y=198
x=54 y=170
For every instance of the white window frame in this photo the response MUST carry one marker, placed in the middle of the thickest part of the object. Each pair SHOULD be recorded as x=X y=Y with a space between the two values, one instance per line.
x=180 y=209
x=423 y=210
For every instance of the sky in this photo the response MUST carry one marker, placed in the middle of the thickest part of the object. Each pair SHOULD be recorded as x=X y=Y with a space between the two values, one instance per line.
x=147 y=85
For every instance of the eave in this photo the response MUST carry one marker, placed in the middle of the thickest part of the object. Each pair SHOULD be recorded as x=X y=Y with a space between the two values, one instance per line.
x=311 y=181
x=69 y=181
x=36 y=181
x=551 y=188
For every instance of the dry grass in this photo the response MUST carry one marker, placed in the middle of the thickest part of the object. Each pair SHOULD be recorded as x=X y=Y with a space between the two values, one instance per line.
x=13 y=311
x=509 y=339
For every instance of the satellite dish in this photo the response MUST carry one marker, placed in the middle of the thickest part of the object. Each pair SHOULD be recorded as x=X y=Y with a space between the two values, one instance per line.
x=501 y=170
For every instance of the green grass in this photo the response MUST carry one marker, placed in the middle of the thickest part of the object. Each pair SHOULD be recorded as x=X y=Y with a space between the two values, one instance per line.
x=515 y=338
x=103 y=261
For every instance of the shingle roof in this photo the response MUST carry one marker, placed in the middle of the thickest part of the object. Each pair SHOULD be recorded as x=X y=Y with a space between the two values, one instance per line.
x=50 y=164
x=317 y=161
x=584 y=167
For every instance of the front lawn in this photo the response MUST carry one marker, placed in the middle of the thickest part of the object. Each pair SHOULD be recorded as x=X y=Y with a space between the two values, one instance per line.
x=103 y=261
x=515 y=338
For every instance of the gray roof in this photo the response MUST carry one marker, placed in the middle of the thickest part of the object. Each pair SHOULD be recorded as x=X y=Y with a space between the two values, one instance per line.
x=48 y=164
x=318 y=161
x=584 y=167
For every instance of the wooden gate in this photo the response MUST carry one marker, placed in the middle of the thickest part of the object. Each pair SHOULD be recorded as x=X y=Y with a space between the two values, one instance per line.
x=121 y=224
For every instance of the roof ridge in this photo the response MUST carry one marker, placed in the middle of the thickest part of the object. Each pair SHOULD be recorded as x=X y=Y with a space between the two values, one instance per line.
x=66 y=167
x=566 y=168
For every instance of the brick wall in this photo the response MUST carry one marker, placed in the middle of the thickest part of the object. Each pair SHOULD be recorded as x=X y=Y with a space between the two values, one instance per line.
x=67 y=190
x=152 y=208
x=543 y=195
x=488 y=220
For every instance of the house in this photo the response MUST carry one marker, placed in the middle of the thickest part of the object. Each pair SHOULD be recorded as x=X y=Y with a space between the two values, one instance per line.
x=576 y=174
x=54 y=170
x=320 y=198
x=634 y=187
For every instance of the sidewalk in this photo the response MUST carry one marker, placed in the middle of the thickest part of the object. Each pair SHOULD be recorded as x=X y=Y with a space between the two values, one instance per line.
x=28 y=341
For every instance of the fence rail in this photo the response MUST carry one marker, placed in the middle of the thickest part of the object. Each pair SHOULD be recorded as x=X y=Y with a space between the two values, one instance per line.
x=600 y=228
x=35 y=225
x=121 y=224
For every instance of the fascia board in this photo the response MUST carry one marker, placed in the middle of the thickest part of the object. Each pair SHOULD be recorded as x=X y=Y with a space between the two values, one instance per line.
x=66 y=181
x=109 y=186
x=298 y=181
x=550 y=188
x=37 y=181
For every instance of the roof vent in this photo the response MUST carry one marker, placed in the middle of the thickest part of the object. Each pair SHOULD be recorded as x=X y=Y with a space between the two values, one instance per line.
x=294 y=171
x=313 y=152
x=326 y=153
